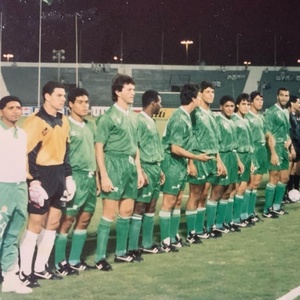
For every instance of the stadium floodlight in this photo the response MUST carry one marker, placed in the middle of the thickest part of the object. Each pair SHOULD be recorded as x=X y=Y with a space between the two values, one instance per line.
x=8 y=56
x=59 y=56
x=247 y=64
x=187 y=43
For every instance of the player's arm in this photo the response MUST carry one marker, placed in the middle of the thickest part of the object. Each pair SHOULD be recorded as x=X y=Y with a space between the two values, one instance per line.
x=179 y=151
x=271 y=145
x=221 y=169
x=141 y=179
x=106 y=183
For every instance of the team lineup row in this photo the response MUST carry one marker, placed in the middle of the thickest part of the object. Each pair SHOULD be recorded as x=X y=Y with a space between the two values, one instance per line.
x=63 y=163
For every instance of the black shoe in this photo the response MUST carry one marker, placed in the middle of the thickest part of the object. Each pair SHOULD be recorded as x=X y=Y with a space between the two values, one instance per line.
x=215 y=234
x=103 y=265
x=136 y=255
x=64 y=269
x=154 y=249
x=82 y=266
x=168 y=248
x=232 y=227
x=28 y=280
x=192 y=238
x=270 y=215
x=47 y=274
x=280 y=212
x=126 y=258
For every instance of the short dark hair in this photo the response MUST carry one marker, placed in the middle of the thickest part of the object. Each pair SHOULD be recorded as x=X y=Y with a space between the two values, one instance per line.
x=118 y=83
x=7 y=99
x=240 y=98
x=188 y=92
x=254 y=94
x=206 y=84
x=50 y=86
x=282 y=89
x=225 y=99
x=293 y=99
x=149 y=96
x=76 y=92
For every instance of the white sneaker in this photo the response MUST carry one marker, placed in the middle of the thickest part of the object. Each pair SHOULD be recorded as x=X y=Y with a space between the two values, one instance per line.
x=12 y=284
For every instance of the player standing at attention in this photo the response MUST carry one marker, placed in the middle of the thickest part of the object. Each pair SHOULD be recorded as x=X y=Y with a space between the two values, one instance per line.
x=260 y=155
x=206 y=141
x=80 y=210
x=13 y=192
x=50 y=182
x=120 y=170
x=151 y=155
x=178 y=143
x=277 y=123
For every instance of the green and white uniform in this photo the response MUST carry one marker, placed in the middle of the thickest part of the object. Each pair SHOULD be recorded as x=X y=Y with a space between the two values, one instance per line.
x=151 y=155
x=206 y=140
x=258 y=132
x=13 y=193
x=178 y=132
x=277 y=123
x=227 y=150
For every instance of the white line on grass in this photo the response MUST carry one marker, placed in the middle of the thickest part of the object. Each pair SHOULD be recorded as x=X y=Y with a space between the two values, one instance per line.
x=293 y=294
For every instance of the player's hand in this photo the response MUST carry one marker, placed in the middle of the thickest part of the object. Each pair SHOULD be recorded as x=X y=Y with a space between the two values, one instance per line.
x=252 y=168
x=162 y=178
x=141 y=180
x=70 y=187
x=146 y=179
x=221 y=169
x=37 y=194
x=192 y=169
x=241 y=167
x=274 y=159
x=203 y=157
x=106 y=184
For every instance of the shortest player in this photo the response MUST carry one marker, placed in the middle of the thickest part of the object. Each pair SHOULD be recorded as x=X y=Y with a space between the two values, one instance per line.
x=80 y=210
x=151 y=155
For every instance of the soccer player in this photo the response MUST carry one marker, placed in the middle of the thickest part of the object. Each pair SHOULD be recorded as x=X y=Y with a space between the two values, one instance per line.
x=178 y=143
x=245 y=149
x=120 y=170
x=261 y=139
x=206 y=141
x=80 y=209
x=50 y=182
x=293 y=107
x=13 y=191
x=151 y=155
x=227 y=150
x=277 y=123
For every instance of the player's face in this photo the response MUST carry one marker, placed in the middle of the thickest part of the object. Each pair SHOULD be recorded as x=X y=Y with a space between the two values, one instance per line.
x=11 y=113
x=208 y=95
x=283 y=97
x=227 y=109
x=127 y=94
x=57 y=99
x=81 y=105
x=157 y=106
x=243 y=107
x=257 y=102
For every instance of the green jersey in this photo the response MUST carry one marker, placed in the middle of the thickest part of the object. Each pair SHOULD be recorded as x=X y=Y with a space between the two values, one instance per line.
x=82 y=149
x=178 y=131
x=117 y=131
x=150 y=146
x=257 y=126
x=227 y=134
x=277 y=123
x=243 y=132
x=205 y=131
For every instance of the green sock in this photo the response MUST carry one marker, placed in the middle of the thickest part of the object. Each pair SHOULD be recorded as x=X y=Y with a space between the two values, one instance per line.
x=244 y=211
x=102 y=238
x=200 y=219
x=147 y=230
x=190 y=220
x=279 y=193
x=165 y=225
x=221 y=213
x=60 y=247
x=269 y=197
x=122 y=230
x=252 y=203
x=229 y=214
x=78 y=240
x=175 y=221
x=211 y=209
x=134 y=232
x=237 y=206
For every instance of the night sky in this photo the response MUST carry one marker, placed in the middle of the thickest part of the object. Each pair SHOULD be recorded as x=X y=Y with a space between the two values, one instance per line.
x=143 y=30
